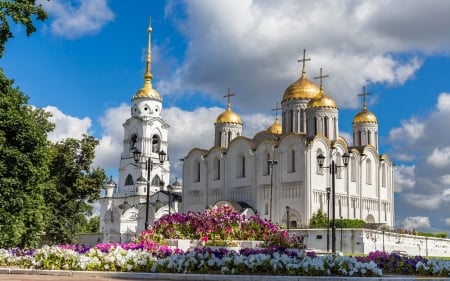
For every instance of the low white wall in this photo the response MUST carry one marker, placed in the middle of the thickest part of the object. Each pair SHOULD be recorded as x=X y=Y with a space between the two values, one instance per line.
x=364 y=241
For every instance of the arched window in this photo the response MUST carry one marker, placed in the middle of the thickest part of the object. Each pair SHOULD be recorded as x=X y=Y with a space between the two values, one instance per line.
x=325 y=127
x=156 y=144
x=196 y=173
x=291 y=162
x=383 y=175
x=129 y=180
x=156 y=181
x=133 y=142
x=368 y=172
x=229 y=138
x=265 y=165
x=369 y=136
x=339 y=164
x=353 y=168
x=216 y=168
x=241 y=167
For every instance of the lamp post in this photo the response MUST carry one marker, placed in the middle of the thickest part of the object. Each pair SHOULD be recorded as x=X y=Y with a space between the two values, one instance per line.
x=149 y=166
x=333 y=167
x=271 y=163
x=287 y=217
x=328 y=218
x=169 y=189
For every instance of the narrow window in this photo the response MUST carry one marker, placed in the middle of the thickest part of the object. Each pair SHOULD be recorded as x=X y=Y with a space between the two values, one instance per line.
x=368 y=172
x=133 y=142
x=325 y=127
x=155 y=144
x=129 y=180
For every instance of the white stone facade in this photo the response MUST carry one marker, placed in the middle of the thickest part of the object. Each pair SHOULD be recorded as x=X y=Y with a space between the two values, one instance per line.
x=239 y=172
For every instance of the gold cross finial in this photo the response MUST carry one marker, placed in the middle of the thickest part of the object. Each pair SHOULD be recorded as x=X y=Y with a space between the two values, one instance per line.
x=276 y=110
x=228 y=96
x=304 y=60
x=364 y=94
x=321 y=76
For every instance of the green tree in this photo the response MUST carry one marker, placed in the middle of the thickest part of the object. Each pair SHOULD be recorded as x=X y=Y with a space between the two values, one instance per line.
x=318 y=220
x=23 y=161
x=20 y=12
x=73 y=186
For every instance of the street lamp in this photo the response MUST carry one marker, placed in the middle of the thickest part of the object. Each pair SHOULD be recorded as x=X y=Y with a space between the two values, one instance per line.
x=287 y=217
x=333 y=167
x=271 y=163
x=169 y=189
x=328 y=218
x=149 y=167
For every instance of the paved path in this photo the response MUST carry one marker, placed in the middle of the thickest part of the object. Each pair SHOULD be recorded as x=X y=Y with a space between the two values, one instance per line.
x=61 y=275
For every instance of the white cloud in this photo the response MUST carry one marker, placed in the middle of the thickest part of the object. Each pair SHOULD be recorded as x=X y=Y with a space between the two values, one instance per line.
x=73 y=21
x=409 y=133
x=443 y=104
x=416 y=222
x=107 y=153
x=423 y=201
x=440 y=157
x=447 y=221
x=404 y=178
x=67 y=126
x=255 y=50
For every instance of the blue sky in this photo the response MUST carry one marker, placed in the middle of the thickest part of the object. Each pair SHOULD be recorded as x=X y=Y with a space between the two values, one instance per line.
x=87 y=60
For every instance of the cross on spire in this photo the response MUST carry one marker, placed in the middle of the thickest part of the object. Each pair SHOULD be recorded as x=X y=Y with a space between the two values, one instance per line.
x=228 y=96
x=304 y=60
x=364 y=94
x=276 y=110
x=321 y=76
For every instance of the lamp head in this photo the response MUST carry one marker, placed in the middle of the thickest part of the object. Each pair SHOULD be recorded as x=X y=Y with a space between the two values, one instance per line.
x=346 y=158
x=320 y=159
x=162 y=156
x=136 y=155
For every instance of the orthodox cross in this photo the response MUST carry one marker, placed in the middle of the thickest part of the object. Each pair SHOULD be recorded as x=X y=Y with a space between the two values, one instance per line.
x=364 y=94
x=321 y=76
x=304 y=60
x=228 y=96
x=276 y=109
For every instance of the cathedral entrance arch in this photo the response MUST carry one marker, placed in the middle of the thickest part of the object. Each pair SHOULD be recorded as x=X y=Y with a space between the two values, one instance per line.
x=294 y=219
x=370 y=219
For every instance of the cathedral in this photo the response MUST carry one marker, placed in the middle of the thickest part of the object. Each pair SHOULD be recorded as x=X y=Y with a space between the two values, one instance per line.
x=296 y=167
x=141 y=195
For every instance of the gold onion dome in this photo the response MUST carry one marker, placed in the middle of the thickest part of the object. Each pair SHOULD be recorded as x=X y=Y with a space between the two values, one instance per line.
x=365 y=116
x=301 y=89
x=322 y=100
x=228 y=116
x=275 y=128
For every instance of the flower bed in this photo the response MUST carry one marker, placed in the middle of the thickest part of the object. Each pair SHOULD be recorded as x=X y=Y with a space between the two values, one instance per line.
x=152 y=252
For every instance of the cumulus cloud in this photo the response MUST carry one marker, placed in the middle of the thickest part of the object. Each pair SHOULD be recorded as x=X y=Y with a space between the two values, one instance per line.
x=447 y=221
x=404 y=177
x=72 y=21
x=409 y=133
x=424 y=201
x=256 y=50
x=416 y=222
x=440 y=157
x=67 y=126
x=107 y=153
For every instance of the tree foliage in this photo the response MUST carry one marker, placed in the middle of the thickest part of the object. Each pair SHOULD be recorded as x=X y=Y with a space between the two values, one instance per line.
x=20 y=12
x=73 y=185
x=23 y=161
x=318 y=220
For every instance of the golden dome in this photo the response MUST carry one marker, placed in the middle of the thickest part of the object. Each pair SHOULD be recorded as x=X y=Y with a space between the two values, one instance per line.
x=228 y=116
x=275 y=128
x=365 y=116
x=147 y=92
x=322 y=100
x=301 y=89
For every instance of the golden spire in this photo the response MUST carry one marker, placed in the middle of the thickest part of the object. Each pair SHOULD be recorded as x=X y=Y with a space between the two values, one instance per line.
x=147 y=91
